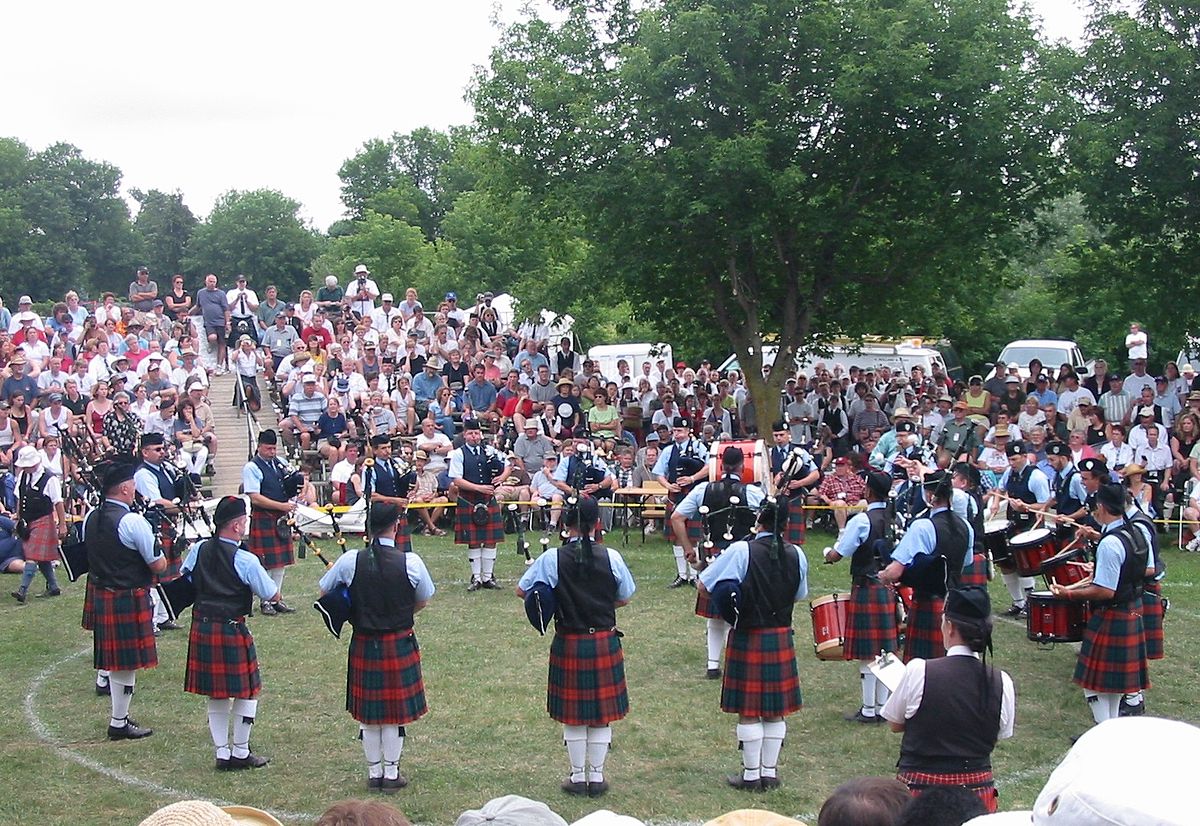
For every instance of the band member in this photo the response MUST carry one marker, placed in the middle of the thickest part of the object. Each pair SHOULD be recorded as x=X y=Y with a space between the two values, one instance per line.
x=586 y=686
x=121 y=566
x=384 y=688
x=41 y=521
x=724 y=521
x=952 y=710
x=389 y=482
x=930 y=558
x=582 y=473
x=871 y=613
x=1134 y=704
x=262 y=481
x=761 y=683
x=1025 y=488
x=476 y=469
x=222 y=664
x=1112 y=659
x=793 y=471
x=1069 y=493
x=680 y=466
x=158 y=493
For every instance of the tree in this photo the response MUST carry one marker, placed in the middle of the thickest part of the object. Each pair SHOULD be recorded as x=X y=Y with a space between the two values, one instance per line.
x=257 y=233
x=394 y=251
x=165 y=225
x=775 y=170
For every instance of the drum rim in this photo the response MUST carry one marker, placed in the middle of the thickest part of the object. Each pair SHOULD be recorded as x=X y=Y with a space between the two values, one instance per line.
x=1042 y=533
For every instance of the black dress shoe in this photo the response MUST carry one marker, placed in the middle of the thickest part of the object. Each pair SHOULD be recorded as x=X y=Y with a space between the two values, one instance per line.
x=267 y=609
x=250 y=761
x=1126 y=710
x=859 y=717
x=169 y=625
x=18 y=595
x=678 y=582
x=474 y=585
x=391 y=785
x=222 y=764
x=595 y=788
x=282 y=607
x=579 y=788
x=374 y=784
x=738 y=781
x=712 y=674
x=55 y=592
x=129 y=731
x=103 y=690
x=769 y=782
x=491 y=584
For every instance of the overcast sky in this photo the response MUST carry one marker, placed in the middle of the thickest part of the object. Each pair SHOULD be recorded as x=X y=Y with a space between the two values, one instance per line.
x=209 y=97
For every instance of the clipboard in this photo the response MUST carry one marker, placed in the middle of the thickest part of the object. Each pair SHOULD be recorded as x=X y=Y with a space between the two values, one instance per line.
x=888 y=669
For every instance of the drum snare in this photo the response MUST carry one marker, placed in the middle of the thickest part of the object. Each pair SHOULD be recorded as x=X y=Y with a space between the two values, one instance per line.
x=1030 y=549
x=1052 y=619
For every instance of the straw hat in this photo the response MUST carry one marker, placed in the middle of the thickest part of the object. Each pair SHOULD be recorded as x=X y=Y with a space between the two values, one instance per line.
x=203 y=813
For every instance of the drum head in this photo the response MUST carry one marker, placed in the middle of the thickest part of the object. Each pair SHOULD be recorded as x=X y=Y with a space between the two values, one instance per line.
x=1036 y=536
x=996 y=526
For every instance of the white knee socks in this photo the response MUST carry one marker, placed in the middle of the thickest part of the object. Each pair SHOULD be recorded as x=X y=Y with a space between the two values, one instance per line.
x=218 y=724
x=160 y=610
x=750 y=735
x=372 y=740
x=488 y=563
x=121 y=689
x=277 y=577
x=243 y=719
x=392 y=739
x=681 y=566
x=1103 y=706
x=1017 y=586
x=717 y=630
x=474 y=556
x=598 y=740
x=869 y=684
x=773 y=734
x=881 y=695
x=576 y=738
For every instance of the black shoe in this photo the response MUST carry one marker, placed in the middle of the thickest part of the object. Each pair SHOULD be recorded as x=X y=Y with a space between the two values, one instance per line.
x=374 y=784
x=577 y=788
x=129 y=731
x=491 y=584
x=712 y=674
x=103 y=690
x=859 y=717
x=474 y=585
x=1015 y=610
x=19 y=596
x=282 y=607
x=222 y=764
x=50 y=592
x=267 y=609
x=169 y=625
x=391 y=785
x=250 y=761
x=1126 y=710
x=769 y=782
x=678 y=582
x=158 y=632
x=596 y=788
x=692 y=582
x=737 y=781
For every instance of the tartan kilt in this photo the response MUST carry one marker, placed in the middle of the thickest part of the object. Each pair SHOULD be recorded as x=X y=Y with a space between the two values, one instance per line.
x=977 y=573
x=383 y=678
x=870 y=622
x=923 y=638
x=1112 y=659
x=123 y=629
x=695 y=528
x=1152 y=620
x=166 y=537
x=466 y=532
x=265 y=543
x=586 y=683
x=89 y=606
x=761 y=676
x=982 y=783
x=705 y=607
x=42 y=544
x=221 y=660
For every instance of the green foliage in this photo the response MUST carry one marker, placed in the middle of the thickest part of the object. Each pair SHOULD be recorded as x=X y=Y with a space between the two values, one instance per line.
x=165 y=225
x=257 y=233
x=394 y=251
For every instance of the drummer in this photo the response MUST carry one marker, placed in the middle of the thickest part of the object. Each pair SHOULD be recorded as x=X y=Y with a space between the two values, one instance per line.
x=1134 y=704
x=1023 y=486
x=726 y=522
x=967 y=502
x=871 y=612
x=1070 y=495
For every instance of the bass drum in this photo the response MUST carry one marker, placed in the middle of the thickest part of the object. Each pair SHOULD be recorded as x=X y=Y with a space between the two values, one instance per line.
x=756 y=469
x=829 y=625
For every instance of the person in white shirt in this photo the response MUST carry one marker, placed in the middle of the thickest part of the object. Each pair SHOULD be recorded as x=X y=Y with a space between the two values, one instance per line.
x=1138 y=379
x=454 y=311
x=381 y=316
x=1140 y=433
x=1137 y=342
x=1115 y=452
x=188 y=369
x=243 y=306
x=361 y=292
x=52 y=375
x=1071 y=394
x=37 y=352
x=435 y=444
x=419 y=324
x=409 y=303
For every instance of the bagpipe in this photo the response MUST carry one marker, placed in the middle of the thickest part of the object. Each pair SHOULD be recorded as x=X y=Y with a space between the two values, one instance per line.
x=522 y=543
x=491 y=466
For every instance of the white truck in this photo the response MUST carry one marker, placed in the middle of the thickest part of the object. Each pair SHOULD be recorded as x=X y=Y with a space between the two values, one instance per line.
x=1052 y=352
x=606 y=357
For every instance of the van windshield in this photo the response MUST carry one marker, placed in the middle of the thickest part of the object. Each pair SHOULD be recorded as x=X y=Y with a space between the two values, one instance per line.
x=1050 y=357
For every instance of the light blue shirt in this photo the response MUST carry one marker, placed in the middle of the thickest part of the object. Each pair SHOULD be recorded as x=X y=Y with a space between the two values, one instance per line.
x=690 y=506
x=858 y=528
x=1075 y=488
x=887 y=447
x=342 y=572
x=664 y=458
x=245 y=565
x=1110 y=556
x=921 y=538
x=455 y=469
x=251 y=478
x=1039 y=485
x=134 y=532
x=560 y=472
x=734 y=563
x=535 y=361
x=146 y=484
x=545 y=569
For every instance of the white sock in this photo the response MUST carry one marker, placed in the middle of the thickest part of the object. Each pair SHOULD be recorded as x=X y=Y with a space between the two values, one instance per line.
x=121 y=687
x=716 y=632
x=869 y=682
x=392 y=738
x=391 y=769
x=277 y=578
x=576 y=739
x=473 y=554
x=750 y=735
x=598 y=739
x=488 y=564
x=1100 y=706
x=243 y=719
x=881 y=695
x=1135 y=699
x=773 y=734
x=160 y=610
x=1013 y=583
x=372 y=741
x=101 y=677
x=1114 y=704
x=681 y=566
x=1028 y=583
x=218 y=724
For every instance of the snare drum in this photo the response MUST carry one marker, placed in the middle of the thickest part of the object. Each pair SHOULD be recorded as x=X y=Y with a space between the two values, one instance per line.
x=1066 y=568
x=995 y=539
x=1055 y=620
x=756 y=469
x=1030 y=549
x=829 y=625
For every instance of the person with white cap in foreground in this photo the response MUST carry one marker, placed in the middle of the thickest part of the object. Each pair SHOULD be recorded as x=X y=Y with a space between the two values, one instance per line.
x=203 y=813
x=511 y=810
x=41 y=521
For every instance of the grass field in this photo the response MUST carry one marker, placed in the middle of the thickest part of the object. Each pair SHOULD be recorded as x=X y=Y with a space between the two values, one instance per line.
x=487 y=732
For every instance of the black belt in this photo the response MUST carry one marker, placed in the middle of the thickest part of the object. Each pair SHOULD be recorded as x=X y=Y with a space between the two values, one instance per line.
x=588 y=630
x=230 y=620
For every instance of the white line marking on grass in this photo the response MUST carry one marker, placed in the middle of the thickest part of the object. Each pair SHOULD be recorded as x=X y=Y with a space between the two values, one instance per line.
x=43 y=733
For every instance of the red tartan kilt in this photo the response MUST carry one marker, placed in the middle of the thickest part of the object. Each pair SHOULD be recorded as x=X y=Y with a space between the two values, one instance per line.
x=89 y=605
x=983 y=784
x=761 y=676
x=123 y=630
x=383 y=679
x=466 y=532
x=695 y=528
x=42 y=544
x=977 y=573
x=221 y=660
x=870 y=622
x=167 y=537
x=705 y=607
x=1152 y=620
x=923 y=638
x=586 y=683
x=265 y=543
x=794 y=533
x=1112 y=659
x=403 y=538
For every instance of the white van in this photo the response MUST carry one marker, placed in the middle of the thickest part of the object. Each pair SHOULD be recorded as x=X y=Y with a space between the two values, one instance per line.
x=899 y=356
x=606 y=357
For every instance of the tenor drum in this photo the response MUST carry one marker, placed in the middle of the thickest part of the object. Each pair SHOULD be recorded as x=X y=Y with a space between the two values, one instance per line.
x=904 y=606
x=829 y=625
x=1052 y=619
x=995 y=539
x=1031 y=548
x=757 y=466
x=1067 y=568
